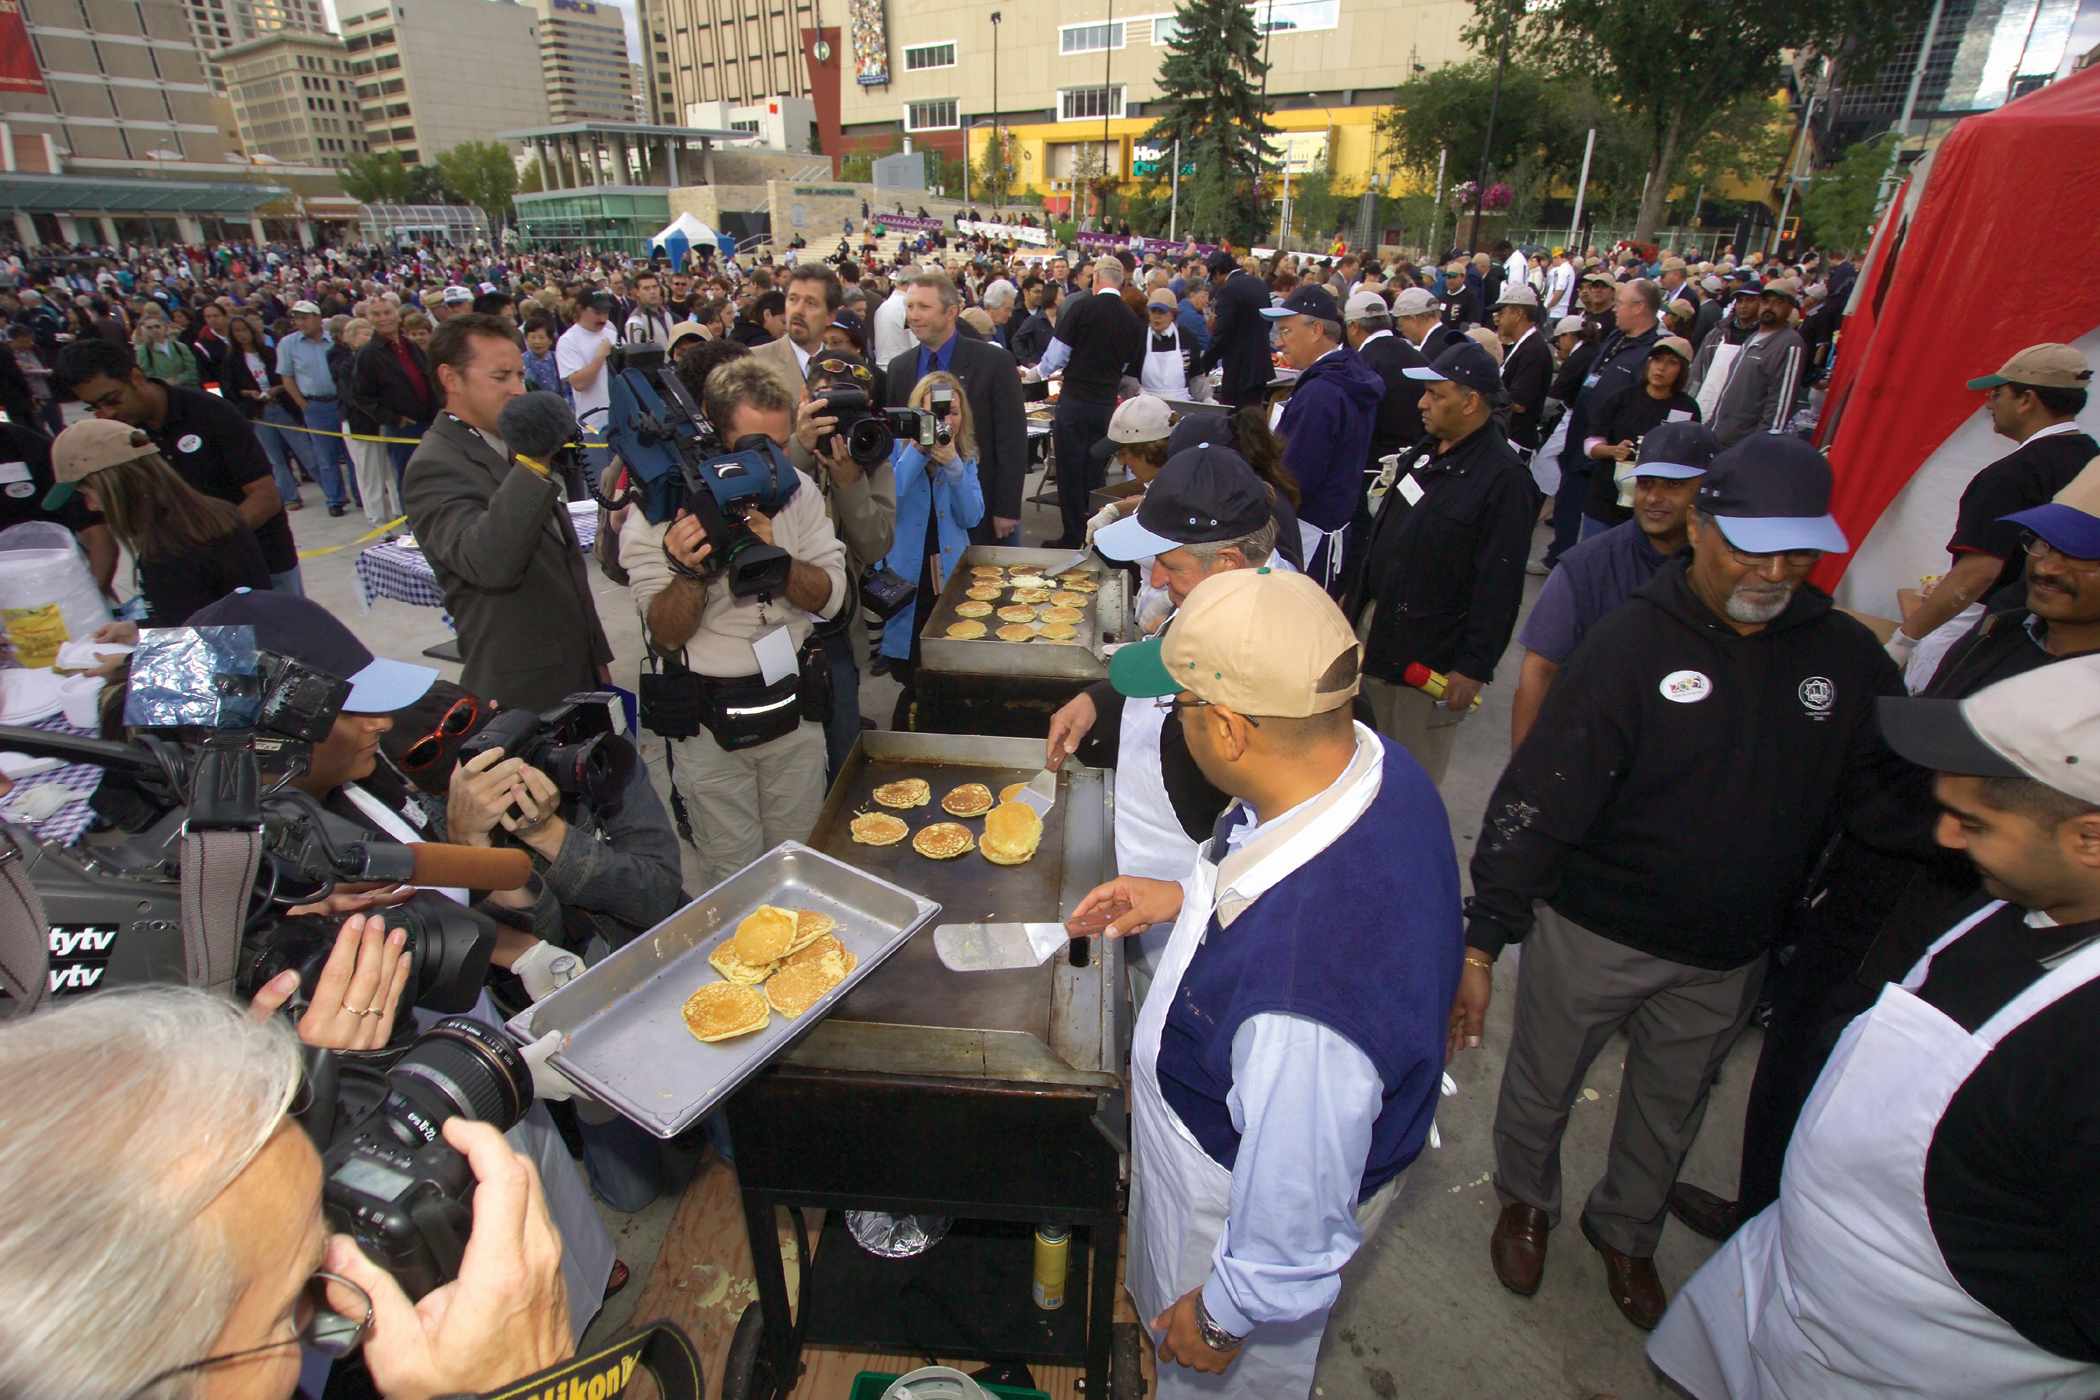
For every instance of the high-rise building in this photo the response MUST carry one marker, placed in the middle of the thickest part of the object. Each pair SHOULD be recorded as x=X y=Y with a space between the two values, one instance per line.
x=218 y=25
x=435 y=73
x=733 y=51
x=293 y=99
x=583 y=57
x=124 y=92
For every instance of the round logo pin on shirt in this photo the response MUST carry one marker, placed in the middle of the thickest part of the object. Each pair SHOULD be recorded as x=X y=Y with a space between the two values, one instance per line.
x=1686 y=687
x=188 y=442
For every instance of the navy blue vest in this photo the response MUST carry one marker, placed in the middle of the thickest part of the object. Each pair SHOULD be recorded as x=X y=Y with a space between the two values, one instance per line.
x=1367 y=939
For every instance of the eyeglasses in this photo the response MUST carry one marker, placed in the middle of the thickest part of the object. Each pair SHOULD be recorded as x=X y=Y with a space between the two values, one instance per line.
x=1795 y=558
x=1179 y=702
x=2039 y=548
x=426 y=751
x=315 y=1323
x=860 y=372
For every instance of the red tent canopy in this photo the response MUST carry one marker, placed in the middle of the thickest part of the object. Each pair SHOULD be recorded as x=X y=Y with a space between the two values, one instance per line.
x=1975 y=265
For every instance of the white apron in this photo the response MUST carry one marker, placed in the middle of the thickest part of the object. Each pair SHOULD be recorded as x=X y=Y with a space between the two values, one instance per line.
x=1149 y=840
x=1179 y=1196
x=1717 y=371
x=1839 y=1291
x=1164 y=373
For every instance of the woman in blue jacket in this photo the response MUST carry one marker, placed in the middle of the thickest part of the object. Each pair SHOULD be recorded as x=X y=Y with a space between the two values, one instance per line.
x=938 y=500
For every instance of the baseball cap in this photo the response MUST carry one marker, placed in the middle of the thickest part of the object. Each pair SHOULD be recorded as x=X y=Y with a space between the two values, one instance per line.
x=1220 y=262
x=1598 y=274
x=1676 y=451
x=1712 y=282
x=86 y=448
x=1196 y=429
x=1674 y=344
x=2069 y=521
x=1141 y=418
x=1783 y=287
x=305 y=308
x=1674 y=264
x=851 y=323
x=1415 y=301
x=1466 y=364
x=1516 y=295
x=1681 y=307
x=1201 y=496
x=1770 y=494
x=2035 y=725
x=684 y=330
x=604 y=303
x=456 y=294
x=1567 y=325
x=1306 y=299
x=1455 y=268
x=2050 y=366
x=1365 y=304
x=1160 y=296
x=1749 y=287
x=1259 y=641
x=307 y=632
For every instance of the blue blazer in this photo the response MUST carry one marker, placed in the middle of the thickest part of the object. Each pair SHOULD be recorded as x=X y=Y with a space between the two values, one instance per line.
x=956 y=506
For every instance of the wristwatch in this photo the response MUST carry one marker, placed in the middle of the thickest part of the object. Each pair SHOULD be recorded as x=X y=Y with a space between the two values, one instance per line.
x=1214 y=1336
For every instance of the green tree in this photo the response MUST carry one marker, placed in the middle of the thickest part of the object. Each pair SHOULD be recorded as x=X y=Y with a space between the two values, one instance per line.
x=482 y=174
x=1678 y=65
x=992 y=179
x=1838 y=209
x=855 y=165
x=376 y=179
x=1210 y=100
x=427 y=186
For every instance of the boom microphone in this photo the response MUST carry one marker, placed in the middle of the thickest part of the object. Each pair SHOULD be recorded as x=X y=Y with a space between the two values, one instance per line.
x=537 y=425
x=470 y=867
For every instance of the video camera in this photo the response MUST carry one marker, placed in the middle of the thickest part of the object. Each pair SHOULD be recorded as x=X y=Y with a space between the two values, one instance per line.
x=677 y=456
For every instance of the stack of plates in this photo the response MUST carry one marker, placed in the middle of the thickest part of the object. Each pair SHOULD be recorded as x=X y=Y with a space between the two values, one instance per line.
x=27 y=696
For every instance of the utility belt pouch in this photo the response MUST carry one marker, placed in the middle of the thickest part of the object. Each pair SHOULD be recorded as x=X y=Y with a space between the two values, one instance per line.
x=670 y=699
x=746 y=712
x=884 y=592
x=815 y=692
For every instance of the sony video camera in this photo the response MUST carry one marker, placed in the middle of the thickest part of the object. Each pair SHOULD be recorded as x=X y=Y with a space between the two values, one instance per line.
x=574 y=744
x=680 y=464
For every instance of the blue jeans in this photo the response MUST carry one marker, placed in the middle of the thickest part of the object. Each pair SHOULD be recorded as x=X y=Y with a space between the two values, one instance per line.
x=1567 y=508
x=400 y=452
x=624 y=1163
x=290 y=581
x=331 y=453
x=283 y=447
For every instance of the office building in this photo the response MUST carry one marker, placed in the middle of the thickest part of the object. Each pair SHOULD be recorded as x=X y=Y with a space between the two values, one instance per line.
x=433 y=73
x=218 y=25
x=293 y=99
x=723 y=51
x=774 y=123
x=583 y=57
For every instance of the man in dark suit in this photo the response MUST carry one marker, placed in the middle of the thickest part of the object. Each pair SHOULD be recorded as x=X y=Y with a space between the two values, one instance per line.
x=1527 y=365
x=1097 y=338
x=1367 y=325
x=989 y=378
x=497 y=532
x=1239 y=339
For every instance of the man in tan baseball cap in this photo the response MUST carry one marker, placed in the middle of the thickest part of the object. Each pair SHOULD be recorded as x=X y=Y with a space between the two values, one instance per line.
x=1285 y=1065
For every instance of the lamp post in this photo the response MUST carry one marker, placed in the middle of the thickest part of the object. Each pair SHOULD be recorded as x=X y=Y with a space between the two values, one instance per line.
x=998 y=141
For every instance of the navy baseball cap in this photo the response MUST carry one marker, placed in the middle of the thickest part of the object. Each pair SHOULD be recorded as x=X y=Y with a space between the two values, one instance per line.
x=307 y=632
x=2071 y=521
x=1770 y=494
x=1201 y=496
x=1749 y=287
x=1196 y=429
x=1465 y=363
x=1676 y=451
x=1307 y=299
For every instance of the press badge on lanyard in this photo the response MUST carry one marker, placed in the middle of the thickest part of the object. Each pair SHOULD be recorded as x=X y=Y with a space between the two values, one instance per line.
x=775 y=651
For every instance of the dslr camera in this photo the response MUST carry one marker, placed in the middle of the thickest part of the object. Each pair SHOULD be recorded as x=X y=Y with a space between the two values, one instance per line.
x=681 y=465
x=574 y=744
x=871 y=432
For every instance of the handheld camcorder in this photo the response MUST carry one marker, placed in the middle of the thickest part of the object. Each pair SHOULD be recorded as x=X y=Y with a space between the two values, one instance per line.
x=574 y=744
x=680 y=465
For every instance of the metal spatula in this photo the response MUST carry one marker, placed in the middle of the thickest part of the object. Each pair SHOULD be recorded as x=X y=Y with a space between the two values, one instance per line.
x=993 y=947
x=1040 y=793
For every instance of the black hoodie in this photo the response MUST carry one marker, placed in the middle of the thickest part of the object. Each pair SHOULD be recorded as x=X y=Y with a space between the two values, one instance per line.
x=1681 y=778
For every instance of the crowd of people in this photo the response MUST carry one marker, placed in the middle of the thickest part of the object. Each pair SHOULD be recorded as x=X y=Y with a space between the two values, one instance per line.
x=1727 y=802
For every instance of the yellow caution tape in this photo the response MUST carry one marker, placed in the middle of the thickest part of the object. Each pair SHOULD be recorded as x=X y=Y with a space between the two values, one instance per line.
x=373 y=534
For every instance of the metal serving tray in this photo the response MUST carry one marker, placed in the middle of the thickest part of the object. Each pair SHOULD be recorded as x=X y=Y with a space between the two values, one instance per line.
x=626 y=1038
x=1106 y=621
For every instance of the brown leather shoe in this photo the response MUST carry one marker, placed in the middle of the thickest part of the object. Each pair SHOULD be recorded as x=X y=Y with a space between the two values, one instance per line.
x=1633 y=1282
x=1703 y=1212
x=1518 y=1248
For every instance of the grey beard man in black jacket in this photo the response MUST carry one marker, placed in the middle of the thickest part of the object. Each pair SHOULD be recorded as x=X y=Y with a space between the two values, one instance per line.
x=1663 y=815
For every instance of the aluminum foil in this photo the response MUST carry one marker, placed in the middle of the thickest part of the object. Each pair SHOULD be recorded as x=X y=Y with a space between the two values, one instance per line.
x=897 y=1236
x=202 y=676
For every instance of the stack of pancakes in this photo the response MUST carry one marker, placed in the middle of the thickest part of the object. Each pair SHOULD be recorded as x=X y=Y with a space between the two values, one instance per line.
x=807 y=975
x=1012 y=831
x=772 y=940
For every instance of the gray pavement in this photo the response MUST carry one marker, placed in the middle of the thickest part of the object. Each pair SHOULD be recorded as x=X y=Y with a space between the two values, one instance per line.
x=1421 y=1313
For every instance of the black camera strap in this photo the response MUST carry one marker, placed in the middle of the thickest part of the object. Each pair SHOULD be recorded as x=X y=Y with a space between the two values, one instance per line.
x=25 y=938
x=662 y=1349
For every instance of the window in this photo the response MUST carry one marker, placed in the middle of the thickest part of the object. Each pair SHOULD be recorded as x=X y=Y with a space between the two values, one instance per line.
x=929 y=56
x=1288 y=16
x=1090 y=38
x=1165 y=31
x=1077 y=104
x=938 y=115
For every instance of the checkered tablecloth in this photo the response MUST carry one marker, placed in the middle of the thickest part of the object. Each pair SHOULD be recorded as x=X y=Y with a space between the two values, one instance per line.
x=401 y=572
x=78 y=780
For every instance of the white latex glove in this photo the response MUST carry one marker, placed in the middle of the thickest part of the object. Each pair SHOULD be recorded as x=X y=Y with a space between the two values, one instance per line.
x=547 y=1081
x=543 y=968
x=1031 y=375
x=1899 y=647
x=1154 y=610
x=1103 y=518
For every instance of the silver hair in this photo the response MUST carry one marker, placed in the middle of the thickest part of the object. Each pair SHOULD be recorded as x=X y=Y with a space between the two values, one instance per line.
x=1375 y=322
x=999 y=293
x=123 y=1116
x=1651 y=293
x=1255 y=547
x=1109 y=270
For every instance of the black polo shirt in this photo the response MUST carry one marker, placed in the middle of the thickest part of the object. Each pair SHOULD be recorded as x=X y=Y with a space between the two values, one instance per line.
x=2028 y=476
x=1105 y=335
x=214 y=449
x=25 y=475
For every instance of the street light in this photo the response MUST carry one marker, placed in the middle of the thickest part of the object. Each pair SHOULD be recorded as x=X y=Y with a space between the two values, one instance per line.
x=997 y=139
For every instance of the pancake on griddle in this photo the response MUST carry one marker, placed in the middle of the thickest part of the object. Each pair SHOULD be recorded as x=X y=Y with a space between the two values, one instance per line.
x=1016 y=613
x=1017 y=632
x=796 y=988
x=1082 y=584
x=1066 y=599
x=1012 y=792
x=810 y=925
x=1060 y=614
x=878 y=829
x=975 y=609
x=725 y=961
x=1058 y=631
x=723 y=1010
x=966 y=631
x=943 y=840
x=1033 y=595
x=986 y=571
x=764 y=937
x=983 y=594
x=969 y=800
x=1012 y=831
x=909 y=792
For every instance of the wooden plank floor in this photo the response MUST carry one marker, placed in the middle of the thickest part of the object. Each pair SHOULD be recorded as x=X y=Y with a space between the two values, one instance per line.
x=702 y=1281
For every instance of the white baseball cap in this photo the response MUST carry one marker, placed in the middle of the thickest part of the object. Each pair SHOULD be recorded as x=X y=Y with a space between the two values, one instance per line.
x=1567 y=325
x=1415 y=301
x=1366 y=303
x=2044 y=725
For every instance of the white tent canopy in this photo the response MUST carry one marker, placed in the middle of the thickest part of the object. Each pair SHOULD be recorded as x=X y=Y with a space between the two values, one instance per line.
x=683 y=234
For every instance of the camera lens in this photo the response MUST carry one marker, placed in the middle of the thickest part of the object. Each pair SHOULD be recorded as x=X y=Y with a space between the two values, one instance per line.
x=868 y=441
x=448 y=948
x=595 y=770
x=460 y=1068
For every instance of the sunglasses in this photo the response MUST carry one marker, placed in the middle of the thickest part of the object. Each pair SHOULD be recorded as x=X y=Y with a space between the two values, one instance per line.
x=859 y=372
x=426 y=751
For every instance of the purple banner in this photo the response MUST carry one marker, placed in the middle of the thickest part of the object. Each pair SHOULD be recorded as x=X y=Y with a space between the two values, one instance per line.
x=1117 y=242
x=907 y=223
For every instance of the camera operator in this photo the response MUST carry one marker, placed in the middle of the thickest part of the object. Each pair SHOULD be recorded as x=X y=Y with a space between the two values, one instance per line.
x=161 y=1229
x=757 y=779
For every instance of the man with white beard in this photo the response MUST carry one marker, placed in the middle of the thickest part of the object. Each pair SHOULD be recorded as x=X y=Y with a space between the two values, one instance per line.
x=1649 y=838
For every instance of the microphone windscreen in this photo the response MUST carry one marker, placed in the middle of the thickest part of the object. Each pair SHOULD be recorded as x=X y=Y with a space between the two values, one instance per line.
x=536 y=425
x=471 y=867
